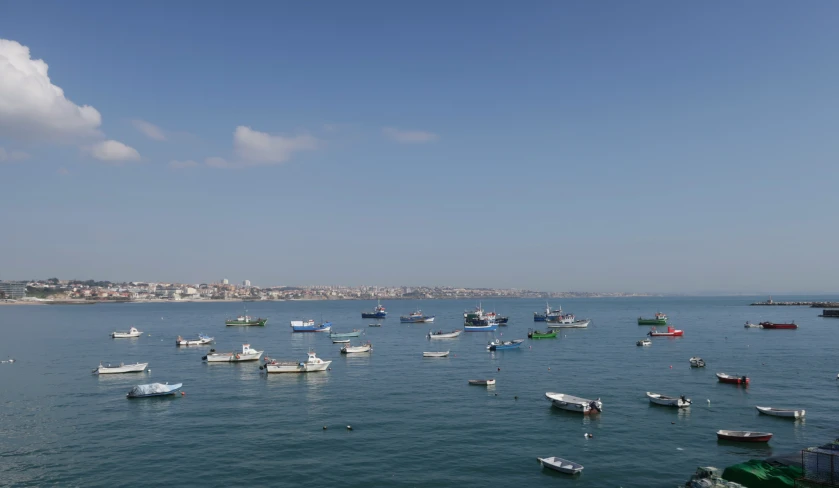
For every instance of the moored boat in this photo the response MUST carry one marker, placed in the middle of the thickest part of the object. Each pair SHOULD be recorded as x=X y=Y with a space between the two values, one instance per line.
x=311 y=365
x=779 y=412
x=440 y=354
x=659 y=319
x=733 y=379
x=247 y=354
x=568 y=322
x=743 y=436
x=549 y=313
x=750 y=325
x=561 y=465
x=772 y=325
x=203 y=340
x=644 y=342
x=341 y=335
x=378 y=313
x=667 y=401
x=309 y=326
x=122 y=368
x=697 y=362
x=246 y=319
x=348 y=349
x=537 y=334
x=671 y=332
x=340 y=341
x=499 y=345
x=154 y=389
x=489 y=327
x=479 y=317
x=374 y=325
x=574 y=404
x=416 y=318
x=488 y=382
x=132 y=332
x=444 y=335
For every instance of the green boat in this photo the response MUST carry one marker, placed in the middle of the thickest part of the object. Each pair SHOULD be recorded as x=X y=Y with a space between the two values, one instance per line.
x=660 y=319
x=246 y=320
x=535 y=334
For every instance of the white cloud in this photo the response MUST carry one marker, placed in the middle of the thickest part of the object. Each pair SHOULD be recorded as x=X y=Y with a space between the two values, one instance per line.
x=114 y=151
x=6 y=156
x=182 y=164
x=409 y=136
x=217 y=162
x=150 y=130
x=31 y=107
x=254 y=147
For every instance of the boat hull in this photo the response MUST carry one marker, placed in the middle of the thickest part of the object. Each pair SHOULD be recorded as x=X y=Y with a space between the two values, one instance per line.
x=577 y=324
x=668 y=401
x=416 y=320
x=776 y=412
x=742 y=436
x=156 y=390
x=125 y=335
x=770 y=325
x=297 y=368
x=435 y=354
x=574 y=404
x=128 y=368
x=449 y=335
x=233 y=358
x=345 y=335
x=561 y=465
x=374 y=315
x=480 y=328
x=504 y=347
x=257 y=323
x=541 y=335
x=482 y=382
x=734 y=380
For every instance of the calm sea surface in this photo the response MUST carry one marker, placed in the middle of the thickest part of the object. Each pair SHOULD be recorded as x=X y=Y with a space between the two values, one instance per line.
x=415 y=421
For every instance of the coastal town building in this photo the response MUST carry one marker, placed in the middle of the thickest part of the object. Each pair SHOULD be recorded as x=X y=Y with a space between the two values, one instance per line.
x=13 y=290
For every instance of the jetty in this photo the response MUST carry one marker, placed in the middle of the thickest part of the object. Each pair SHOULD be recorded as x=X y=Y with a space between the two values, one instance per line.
x=830 y=313
x=772 y=303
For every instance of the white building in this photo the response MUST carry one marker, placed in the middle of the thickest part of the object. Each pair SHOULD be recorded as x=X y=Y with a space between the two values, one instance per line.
x=225 y=282
x=246 y=283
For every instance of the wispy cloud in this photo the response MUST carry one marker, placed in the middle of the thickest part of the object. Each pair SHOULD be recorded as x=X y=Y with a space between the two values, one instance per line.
x=409 y=136
x=255 y=148
x=113 y=151
x=11 y=156
x=63 y=171
x=182 y=164
x=217 y=162
x=150 y=130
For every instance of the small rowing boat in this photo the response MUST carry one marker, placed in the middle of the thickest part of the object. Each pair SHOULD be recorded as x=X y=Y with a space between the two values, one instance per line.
x=671 y=332
x=743 y=436
x=733 y=379
x=342 y=335
x=340 y=341
x=679 y=402
x=348 y=349
x=779 y=412
x=445 y=335
x=499 y=345
x=574 y=404
x=122 y=368
x=489 y=382
x=435 y=354
x=536 y=334
x=561 y=465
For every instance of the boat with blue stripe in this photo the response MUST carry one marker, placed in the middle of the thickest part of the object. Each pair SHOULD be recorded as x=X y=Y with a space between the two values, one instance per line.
x=378 y=313
x=310 y=326
x=488 y=327
x=499 y=345
x=549 y=314
x=416 y=318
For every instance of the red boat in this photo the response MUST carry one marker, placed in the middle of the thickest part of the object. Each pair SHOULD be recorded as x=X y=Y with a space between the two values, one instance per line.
x=671 y=332
x=743 y=436
x=770 y=325
x=729 y=378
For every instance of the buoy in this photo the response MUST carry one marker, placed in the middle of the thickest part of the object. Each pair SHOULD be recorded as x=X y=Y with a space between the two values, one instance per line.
x=183 y=393
x=709 y=402
x=671 y=366
x=516 y=397
x=671 y=423
x=549 y=368
x=349 y=427
x=499 y=369
x=324 y=427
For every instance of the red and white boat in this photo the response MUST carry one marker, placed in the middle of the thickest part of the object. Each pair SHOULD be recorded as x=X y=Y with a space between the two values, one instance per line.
x=734 y=379
x=671 y=332
x=770 y=325
x=743 y=436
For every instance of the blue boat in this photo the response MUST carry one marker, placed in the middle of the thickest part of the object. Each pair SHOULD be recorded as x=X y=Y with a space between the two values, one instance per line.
x=499 y=345
x=377 y=313
x=548 y=315
x=489 y=327
x=310 y=326
x=153 y=390
x=416 y=318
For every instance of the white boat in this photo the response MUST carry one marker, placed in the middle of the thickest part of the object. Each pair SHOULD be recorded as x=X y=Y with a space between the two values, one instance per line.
x=132 y=332
x=122 y=368
x=680 y=402
x=202 y=340
x=435 y=354
x=445 y=335
x=357 y=349
x=574 y=404
x=644 y=342
x=561 y=465
x=247 y=354
x=779 y=412
x=489 y=382
x=154 y=389
x=303 y=323
x=750 y=325
x=697 y=362
x=340 y=341
x=311 y=365
x=568 y=322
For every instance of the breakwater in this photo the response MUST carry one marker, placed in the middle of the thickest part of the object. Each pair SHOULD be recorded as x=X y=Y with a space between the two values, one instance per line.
x=797 y=304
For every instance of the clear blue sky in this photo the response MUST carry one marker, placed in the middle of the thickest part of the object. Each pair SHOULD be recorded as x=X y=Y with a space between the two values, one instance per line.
x=614 y=146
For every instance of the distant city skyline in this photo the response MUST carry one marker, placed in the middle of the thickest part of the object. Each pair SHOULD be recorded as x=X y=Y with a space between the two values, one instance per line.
x=612 y=147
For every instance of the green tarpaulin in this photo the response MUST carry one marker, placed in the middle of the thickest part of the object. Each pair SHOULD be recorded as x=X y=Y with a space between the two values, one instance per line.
x=760 y=474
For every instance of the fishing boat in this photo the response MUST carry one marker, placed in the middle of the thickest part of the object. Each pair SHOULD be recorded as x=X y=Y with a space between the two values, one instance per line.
x=547 y=315
x=441 y=354
x=445 y=335
x=537 y=334
x=566 y=321
x=153 y=390
x=494 y=317
x=374 y=325
x=348 y=349
x=309 y=326
x=489 y=327
x=660 y=319
x=743 y=436
x=247 y=354
x=779 y=412
x=341 y=335
x=489 y=382
x=772 y=325
x=671 y=332
x=203 y=340
x=750 y=325
x=311 y=365
x=679 y=402
x=132 y=332
x=246 y=319
x=416 y=318
x=340 y=341
x=122 y=368
x=499 y=345
x=644 y=342
x=479 y=317
x=697 y=362
x=574 y=404
x=561 y=465
x=378 y=313
x=733 y=379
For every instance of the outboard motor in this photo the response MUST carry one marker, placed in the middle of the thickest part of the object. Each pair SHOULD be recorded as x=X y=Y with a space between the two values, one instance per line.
x=204 y=358
x=593 y=406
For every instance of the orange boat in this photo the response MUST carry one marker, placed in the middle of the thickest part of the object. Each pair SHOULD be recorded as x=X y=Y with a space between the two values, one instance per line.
x=671 y=332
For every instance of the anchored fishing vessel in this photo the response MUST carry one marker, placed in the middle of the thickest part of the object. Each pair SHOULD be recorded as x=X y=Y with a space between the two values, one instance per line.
x=671 y=332
x=488 y=327
x=132 y=332
x=416 y=318
x=772 y=325
x=567 y=321
x=547 y=315
x=479 y=317
x=499 y=345
x=348 y=349
x=537 y=334
x=660 y=319
x=312 y=364
x=309 y=326
x=246 y=319
x=247 y=354
x=378 y=313
x=343 y=335
x=203 y=340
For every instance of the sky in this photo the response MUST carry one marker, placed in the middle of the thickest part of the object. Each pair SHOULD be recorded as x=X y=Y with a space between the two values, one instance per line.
x=652 y=146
